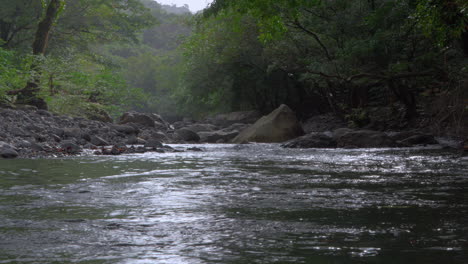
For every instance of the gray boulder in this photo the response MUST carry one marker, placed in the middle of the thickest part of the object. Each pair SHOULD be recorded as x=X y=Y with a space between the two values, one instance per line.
x=137 y=118
x=279 y=126
x=201 y=127
x=7 y=151
x=73 y=132
x=153 y=143
x=312 y=140
x=126 y=129
x=186 y=135
x=134 y=140
x=144 y=119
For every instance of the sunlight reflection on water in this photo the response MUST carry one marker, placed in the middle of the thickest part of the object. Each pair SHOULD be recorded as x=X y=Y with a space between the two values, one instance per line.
x=254 y=203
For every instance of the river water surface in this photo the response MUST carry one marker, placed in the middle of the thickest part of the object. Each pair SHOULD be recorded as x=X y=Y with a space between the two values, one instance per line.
x=254 y=203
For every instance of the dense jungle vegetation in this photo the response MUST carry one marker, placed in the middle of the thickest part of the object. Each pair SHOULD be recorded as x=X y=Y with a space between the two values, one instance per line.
x=350 y=57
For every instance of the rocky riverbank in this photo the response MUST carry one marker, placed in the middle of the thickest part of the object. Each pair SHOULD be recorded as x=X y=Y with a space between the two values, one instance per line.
x=28 y=132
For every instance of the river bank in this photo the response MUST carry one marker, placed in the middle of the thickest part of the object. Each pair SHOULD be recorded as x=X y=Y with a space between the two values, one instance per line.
x=27 y=132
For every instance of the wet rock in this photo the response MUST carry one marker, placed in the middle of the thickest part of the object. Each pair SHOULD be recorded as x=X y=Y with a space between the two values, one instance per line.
x=201 y=127
x=43 y=113
x=365 y=139
x=37 y=147
x=187 y=135
x=98 y=141
x=279 y=126
x=322 y=123
x=8 y=153
x=89 y=146
x=133 y=140
x=235 y=127
x=69 y=147
x=73 y=132
x=420 y=139
x=56 y=138
x=153 y=144
x=312 y=140
x=126 y=129
x=337 y=133
x=138 y=118
x=195 y=149
x=144 y=119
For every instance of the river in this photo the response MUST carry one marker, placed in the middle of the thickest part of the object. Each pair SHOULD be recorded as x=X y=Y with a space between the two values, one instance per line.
x=254 y=203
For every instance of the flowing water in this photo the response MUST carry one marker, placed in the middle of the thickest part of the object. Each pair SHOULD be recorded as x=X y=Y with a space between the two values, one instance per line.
x=237 y=204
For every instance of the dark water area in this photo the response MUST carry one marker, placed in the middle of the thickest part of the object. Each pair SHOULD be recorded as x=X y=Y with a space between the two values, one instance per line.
x=237 y=204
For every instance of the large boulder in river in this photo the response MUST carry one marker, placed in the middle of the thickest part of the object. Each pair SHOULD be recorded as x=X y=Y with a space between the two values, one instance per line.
x=312 y=140
x=279 y=126
x=365 y=139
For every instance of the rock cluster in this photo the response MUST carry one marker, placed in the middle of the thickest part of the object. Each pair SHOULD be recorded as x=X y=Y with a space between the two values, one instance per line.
x=30 y=132
x=348 y=138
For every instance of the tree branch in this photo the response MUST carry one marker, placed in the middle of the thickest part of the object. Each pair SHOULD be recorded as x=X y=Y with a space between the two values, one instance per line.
x=298 y=25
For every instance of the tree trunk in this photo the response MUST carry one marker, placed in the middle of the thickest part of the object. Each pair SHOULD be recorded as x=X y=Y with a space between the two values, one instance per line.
x=28 y=94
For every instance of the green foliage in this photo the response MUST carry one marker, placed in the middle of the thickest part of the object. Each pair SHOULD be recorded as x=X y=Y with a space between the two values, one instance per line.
x=297 y=52
x=75 y=83
x=14 y=72
x=358 y=117
x=442 y=20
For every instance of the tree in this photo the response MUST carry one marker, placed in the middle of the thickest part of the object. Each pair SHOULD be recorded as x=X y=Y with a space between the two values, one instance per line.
x=28 y=95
